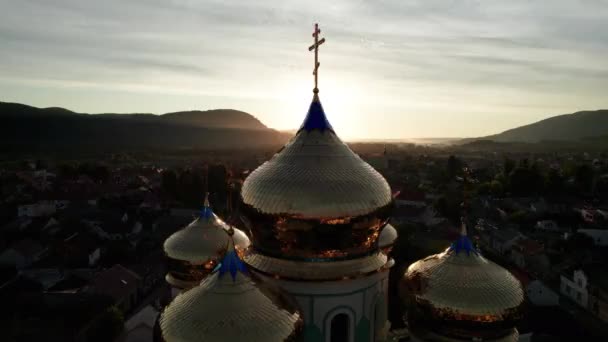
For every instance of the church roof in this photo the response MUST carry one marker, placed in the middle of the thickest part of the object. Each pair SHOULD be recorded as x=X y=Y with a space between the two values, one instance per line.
x=232 y=305
x=316 y=175
x=388 y=236
x=461 y=284
x=315 y=118
x=195 y=250
x=203 y=239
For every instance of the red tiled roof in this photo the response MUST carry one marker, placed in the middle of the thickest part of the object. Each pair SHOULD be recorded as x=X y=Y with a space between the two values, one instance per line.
x=117 y=282
x=529 y=246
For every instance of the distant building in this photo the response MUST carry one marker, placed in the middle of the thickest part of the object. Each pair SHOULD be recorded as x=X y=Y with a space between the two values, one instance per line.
x=140 y=327
x=541 y=295
x=503 y=240
x=589 y=289
x=81 y=250
x=599 y=236
x=119 y=283
x=547 y=225
x=575 y=287
x=523 y=250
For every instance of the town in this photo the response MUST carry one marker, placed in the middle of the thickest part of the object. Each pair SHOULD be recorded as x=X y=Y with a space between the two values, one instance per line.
x=81 y=239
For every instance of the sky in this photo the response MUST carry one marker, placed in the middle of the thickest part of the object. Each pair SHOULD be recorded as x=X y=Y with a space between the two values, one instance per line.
x=390 y=69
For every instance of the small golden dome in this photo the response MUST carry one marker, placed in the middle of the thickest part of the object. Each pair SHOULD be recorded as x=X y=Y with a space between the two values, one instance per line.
x=315 y=199
x=460 y=293
x=232 y=305
x=195 y=250
x=387 y=238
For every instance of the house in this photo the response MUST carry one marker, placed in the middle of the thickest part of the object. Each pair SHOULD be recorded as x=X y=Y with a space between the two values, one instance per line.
x=597 y=289
x=408 y=198
x=140 y=327
x=588 y=215
x=541 y=295
x=430 y=217
x=539 y=207
x=502 y=240
x=22 y=254
x=599 y=236
x=523 y=250
x=81 y=250
x=575 y=287
x=589 y=289
x=547 y=225
x=119 y=283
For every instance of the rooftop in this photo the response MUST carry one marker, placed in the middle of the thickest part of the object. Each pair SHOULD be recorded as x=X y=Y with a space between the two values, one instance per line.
x=116 y=282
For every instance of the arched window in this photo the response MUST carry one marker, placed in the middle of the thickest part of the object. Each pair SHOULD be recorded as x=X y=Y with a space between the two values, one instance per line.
x=340 y=328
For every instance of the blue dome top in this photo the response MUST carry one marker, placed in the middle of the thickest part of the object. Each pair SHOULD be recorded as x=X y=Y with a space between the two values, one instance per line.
x=463 y=244
x=231 y=263
x=315 y=118
x=206 y=213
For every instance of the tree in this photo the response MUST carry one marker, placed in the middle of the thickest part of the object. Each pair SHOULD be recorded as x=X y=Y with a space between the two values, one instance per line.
x=168 y=183
x=190 y=188
x=454 y=167
x=508 y=166
x=218 y=185
x=583 y=176
x=520 y=181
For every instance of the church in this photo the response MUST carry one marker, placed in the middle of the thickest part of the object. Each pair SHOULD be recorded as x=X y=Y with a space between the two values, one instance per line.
x=313 y=265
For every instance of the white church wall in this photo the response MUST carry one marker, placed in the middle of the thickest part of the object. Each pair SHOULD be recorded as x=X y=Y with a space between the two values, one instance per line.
x=357 y=298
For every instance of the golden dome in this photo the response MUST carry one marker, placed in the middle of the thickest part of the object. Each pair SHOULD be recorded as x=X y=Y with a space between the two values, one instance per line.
x=195 y=250
x=387 y=238
x=232 y=305
x=315 y=198
x=460 y=293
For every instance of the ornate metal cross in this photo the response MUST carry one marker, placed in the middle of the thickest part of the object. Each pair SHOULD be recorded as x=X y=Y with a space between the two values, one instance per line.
x=315 y=47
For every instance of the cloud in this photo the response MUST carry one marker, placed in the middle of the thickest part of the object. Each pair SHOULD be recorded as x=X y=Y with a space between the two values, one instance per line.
x=439 y=58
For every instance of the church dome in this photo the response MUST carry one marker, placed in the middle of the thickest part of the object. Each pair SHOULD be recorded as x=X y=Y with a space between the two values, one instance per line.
x=195 y=250
x=315 y=199
x=387 y=238
x=461 y=294
x=232 y=305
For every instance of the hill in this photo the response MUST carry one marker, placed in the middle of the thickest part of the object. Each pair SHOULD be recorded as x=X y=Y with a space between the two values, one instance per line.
x=568 y=127
x=26 y=128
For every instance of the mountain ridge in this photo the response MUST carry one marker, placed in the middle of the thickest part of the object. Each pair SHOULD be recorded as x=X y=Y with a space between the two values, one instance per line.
x=25 y=127
x=575 y=126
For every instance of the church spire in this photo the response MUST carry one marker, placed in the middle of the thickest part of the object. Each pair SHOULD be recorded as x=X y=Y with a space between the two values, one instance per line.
x=315 y=47
x=206 y=212
x=464 y=243
x=315 y=118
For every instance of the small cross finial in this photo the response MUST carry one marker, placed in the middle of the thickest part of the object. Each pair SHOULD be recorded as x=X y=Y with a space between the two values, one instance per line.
x=206 y=202
x=315 y=47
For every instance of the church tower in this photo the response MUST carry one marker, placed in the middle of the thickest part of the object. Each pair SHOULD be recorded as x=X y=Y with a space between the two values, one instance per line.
x=315 y=212
x=194 y=251
x=459 y=295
